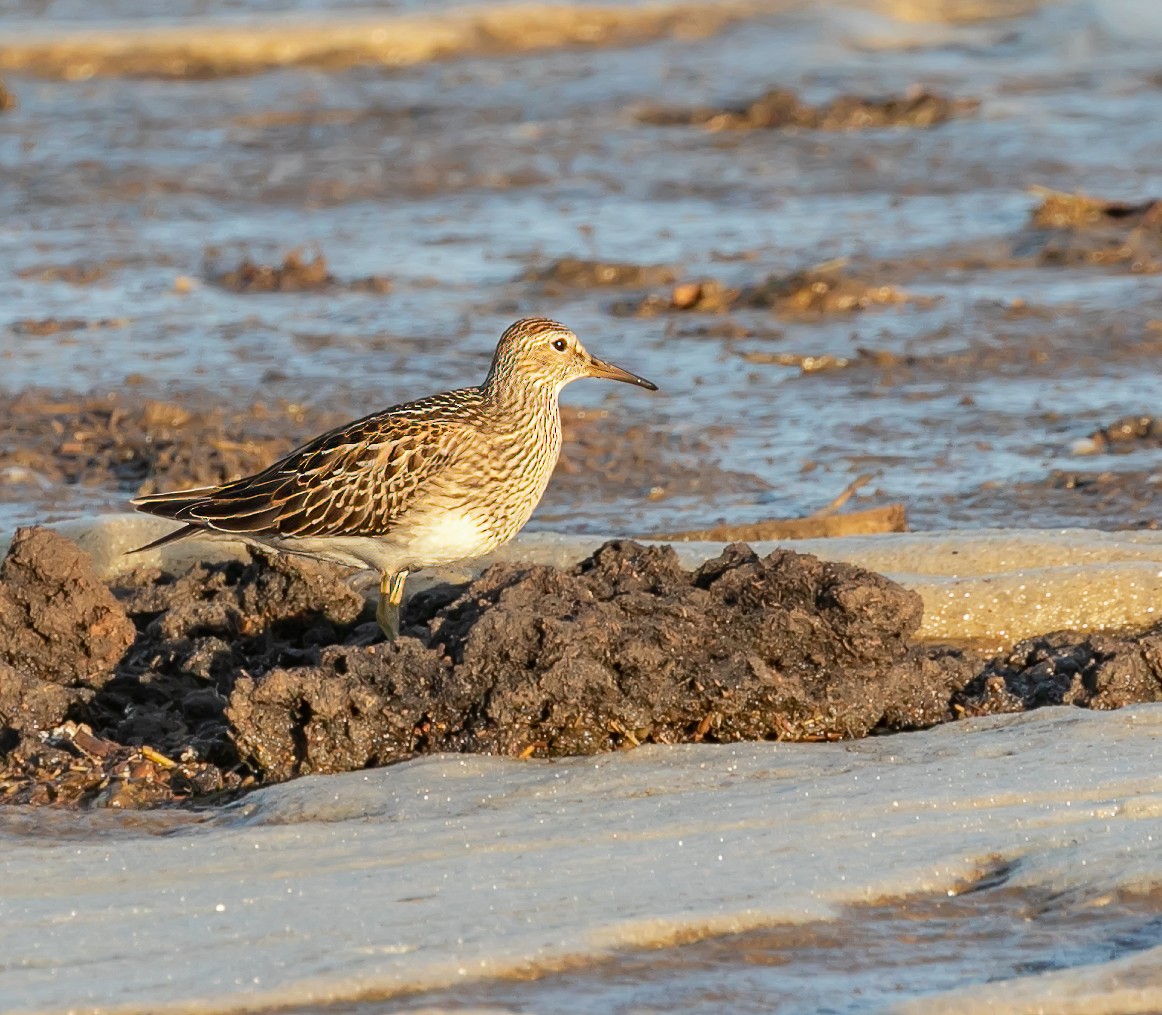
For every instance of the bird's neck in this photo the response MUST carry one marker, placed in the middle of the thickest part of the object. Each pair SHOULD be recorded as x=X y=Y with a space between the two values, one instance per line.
x=520 y=399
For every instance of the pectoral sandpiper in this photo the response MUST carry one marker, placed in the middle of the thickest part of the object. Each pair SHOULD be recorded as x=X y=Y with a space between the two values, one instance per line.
x=446 y=478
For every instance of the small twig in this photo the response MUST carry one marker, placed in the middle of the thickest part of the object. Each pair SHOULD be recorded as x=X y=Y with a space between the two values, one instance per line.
x=843 y=498
x=149 y=754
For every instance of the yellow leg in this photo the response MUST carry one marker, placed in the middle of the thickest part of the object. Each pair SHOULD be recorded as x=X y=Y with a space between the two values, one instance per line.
x=390 y=598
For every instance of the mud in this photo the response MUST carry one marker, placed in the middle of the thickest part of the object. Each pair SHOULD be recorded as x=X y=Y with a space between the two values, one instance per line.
x=780 y=109
x=1122 y=436
x=826 y=289
x=294 y=274
x=139 y=445
x=58 y=625
x=568 y=273
x=1095 y=672
x=169 y=689
x=1074 y=229
x=7 y=99
x=44 y=327
x=1081 y=497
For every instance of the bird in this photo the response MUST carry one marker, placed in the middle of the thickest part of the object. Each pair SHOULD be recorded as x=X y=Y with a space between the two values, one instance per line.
x=422 y=484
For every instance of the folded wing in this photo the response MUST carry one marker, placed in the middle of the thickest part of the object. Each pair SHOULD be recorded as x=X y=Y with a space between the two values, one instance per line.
x=354 y=481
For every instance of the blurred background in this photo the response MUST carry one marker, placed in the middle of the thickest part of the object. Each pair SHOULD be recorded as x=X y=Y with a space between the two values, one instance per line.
x=914 y=240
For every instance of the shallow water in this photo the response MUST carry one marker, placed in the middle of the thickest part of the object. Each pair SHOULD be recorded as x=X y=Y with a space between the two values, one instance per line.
x=454 y=178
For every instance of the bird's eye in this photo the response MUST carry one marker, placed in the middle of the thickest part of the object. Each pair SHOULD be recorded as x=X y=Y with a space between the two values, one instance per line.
x=560 y=344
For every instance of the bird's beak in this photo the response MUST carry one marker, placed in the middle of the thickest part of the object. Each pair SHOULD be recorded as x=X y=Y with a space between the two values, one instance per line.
x=599 y=368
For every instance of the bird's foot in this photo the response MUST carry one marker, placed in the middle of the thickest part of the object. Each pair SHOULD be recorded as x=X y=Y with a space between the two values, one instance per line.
x=390 y=598
x=387 y=616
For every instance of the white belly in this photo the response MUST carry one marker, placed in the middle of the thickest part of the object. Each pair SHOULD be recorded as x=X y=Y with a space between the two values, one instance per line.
x=439 y=536
x=442 y=537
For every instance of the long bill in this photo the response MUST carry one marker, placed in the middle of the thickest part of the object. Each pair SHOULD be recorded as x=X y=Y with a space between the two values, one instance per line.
x=599 y=368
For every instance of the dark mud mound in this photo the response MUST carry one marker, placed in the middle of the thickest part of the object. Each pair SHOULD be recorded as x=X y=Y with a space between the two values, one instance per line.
x=625 y=648
x=7 y=99
x=1073 y=229
x=358 y=707
x=120 y=698
x=62 y=634
x=631 y=641
x=168 y=689
x=780 y=109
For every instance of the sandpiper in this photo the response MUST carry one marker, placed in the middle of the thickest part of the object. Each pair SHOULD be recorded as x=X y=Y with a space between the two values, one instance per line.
x=442 y=479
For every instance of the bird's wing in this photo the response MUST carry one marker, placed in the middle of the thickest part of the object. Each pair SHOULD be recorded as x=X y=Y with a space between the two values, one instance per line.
x=353 y=481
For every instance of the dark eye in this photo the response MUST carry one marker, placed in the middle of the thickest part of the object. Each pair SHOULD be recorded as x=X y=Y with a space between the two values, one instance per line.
x=560 y=344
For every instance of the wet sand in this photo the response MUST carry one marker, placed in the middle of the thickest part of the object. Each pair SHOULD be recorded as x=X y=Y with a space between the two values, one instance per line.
x=468 y=875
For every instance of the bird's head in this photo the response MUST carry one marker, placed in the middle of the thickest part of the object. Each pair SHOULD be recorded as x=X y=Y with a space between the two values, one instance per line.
x=542 y=353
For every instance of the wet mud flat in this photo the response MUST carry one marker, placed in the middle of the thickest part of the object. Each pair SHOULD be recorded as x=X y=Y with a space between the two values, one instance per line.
x=193 y=688
x=804 y=235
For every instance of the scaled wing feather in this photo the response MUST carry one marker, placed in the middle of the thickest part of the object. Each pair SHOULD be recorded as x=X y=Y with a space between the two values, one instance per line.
x=351 y=482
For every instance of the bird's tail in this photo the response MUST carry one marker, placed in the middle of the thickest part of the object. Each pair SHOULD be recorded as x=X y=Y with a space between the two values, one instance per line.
x=167 y=505
x=171 y=505
x=169 y=537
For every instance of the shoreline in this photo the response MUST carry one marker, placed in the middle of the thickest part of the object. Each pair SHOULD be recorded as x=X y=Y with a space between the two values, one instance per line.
x=989 y=587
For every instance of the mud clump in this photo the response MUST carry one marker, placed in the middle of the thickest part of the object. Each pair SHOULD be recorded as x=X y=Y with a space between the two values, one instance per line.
x=199 y=633
x=625 y=648
x=631 y=646
x=7 y=99
x=1122 y=436
x=121 y=701
x=780 y=109
x=62 y=635
x=575 y=273
x=1073 y=229
x=359 y=707
x=818 y=291
x=58 y=623
x=294 y=274
x=1096 y=672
